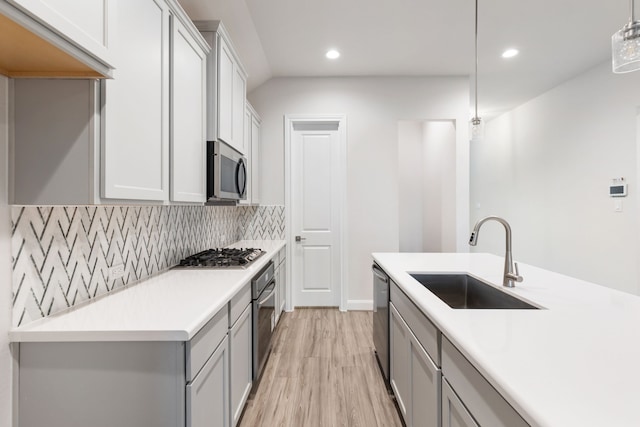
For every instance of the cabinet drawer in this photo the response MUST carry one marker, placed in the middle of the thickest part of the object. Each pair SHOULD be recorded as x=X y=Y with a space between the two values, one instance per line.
x=485 y=404
x=421 y=327
x=238 y=303
x=203 y=344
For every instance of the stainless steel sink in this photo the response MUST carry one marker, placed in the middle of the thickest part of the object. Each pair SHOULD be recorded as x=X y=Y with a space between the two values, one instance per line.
x=467 y=292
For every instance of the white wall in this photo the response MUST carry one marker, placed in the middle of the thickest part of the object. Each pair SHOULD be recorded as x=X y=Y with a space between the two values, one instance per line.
x=373 y=106
x=5 y=262
x=426 y=190
x=439 y=155
x=546 y=165
x=410 y=188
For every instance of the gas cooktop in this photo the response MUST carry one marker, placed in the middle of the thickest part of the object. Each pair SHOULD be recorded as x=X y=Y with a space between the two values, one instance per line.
x=222 y=258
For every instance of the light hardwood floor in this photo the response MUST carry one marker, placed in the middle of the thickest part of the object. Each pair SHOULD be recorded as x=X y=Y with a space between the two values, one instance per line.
x=322 y=372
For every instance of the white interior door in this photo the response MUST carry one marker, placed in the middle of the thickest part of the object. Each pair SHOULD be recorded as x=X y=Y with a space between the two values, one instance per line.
x=316 y=190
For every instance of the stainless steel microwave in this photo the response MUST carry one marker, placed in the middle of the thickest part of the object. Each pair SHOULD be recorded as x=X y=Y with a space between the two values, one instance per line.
x=226 y=173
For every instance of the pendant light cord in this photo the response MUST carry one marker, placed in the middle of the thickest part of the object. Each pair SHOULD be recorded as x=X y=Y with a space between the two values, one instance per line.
x=476 y=52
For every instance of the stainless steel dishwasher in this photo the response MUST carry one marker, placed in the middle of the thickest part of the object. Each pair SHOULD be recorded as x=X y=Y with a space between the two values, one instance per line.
x=381 y=319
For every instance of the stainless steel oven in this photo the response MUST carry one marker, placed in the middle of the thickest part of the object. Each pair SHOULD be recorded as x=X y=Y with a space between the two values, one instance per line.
x=263 y=292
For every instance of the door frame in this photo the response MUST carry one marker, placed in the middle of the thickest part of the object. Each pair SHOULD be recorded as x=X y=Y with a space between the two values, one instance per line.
x=289 y=121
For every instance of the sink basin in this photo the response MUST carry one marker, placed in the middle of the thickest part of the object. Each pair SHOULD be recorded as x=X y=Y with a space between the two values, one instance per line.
x=466 y=292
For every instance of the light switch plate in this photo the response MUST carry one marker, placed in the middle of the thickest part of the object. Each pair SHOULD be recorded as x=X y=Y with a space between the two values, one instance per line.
x=617 y=205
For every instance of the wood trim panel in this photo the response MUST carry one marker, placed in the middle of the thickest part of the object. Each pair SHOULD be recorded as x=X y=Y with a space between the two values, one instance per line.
x=24 y=54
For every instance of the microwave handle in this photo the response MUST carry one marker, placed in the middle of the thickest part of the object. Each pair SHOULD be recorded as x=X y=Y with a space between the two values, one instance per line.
x=242 y=168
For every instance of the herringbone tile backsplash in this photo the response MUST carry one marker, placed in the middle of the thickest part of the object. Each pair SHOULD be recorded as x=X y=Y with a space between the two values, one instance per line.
x=61 y=255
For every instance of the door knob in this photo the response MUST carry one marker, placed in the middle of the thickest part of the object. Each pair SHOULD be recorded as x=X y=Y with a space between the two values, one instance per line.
x=300 y=239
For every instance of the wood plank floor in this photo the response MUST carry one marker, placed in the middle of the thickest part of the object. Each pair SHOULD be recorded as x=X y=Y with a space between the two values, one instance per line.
x=322 y=372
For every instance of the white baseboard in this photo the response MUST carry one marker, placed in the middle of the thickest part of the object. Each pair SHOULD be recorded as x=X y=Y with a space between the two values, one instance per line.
x=360 y=305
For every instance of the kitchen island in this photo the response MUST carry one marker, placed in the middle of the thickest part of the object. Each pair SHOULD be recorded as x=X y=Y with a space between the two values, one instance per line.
x=573 y=362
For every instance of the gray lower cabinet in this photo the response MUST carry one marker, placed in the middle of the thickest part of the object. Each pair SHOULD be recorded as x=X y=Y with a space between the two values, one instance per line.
x=480 y=400
x=101 y=384
x=207 y=395
x=434 y=384
x=414 y=377
x=241 y=363
x=282 y=281
x=454 y=414
x=127 y=384
x=425 y=386
x=399 y=372
x=280 y=262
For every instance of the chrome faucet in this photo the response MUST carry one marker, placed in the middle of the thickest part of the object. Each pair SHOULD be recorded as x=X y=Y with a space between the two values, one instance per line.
x=511 y=273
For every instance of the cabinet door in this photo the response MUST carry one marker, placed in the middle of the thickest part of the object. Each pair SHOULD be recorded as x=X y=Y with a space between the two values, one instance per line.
x=135 y=149
x=276 y=274
x=238 y=110
x=188 y=132
x=454 y=414
x=240 y=363
x=282 y=280
x=247 y=143
x=424 y=377
x=414 y=378
x=208 y=393
x=481 y=399
x=88 y=23
x=399 y=349
x=225 y=92
x=254 y=148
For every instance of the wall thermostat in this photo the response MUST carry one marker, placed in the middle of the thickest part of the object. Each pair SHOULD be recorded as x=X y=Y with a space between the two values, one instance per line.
x=618 y=188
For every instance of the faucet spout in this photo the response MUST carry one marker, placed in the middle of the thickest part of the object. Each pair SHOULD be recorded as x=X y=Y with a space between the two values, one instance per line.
x=511 y=273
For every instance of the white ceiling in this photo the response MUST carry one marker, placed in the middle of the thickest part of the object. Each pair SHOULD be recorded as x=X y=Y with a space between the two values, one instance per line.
x=557 y=39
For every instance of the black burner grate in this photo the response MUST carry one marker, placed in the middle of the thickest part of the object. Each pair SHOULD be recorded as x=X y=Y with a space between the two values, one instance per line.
x=224 y=257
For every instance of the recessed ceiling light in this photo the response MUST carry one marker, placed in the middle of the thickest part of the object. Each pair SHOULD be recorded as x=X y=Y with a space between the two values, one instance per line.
x=510 y=53
x=332 y=54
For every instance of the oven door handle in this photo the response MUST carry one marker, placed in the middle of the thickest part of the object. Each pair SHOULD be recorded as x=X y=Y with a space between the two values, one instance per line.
x=265 y=299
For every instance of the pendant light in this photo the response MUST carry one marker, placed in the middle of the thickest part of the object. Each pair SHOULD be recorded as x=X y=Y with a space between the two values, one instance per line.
x=476 y=125
x=625 y=45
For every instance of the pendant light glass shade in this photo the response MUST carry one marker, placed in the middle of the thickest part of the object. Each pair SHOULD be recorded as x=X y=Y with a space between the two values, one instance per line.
x=476 y=129
x=625 y=46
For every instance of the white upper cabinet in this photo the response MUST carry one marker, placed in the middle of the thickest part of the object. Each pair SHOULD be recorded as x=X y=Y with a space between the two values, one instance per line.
x=188 y=133
x=140 y=109
x=225 y=94
x=226 y=88
x=135 y=149
x=143 y=133
x=255 y=159
x=87 y=23
x=252 y=124
x=239 y=85
x=247 y=137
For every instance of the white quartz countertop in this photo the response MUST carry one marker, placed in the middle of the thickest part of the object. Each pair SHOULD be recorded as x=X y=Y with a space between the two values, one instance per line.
x=574 y=363
x=172 y=306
